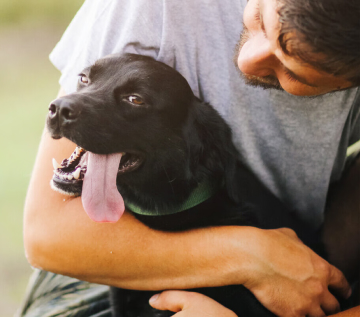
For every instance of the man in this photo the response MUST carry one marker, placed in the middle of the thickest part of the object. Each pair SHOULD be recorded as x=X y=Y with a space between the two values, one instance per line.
x=296 y=146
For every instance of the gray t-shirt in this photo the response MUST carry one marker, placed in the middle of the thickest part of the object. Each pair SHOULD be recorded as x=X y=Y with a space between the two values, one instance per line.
x=295 y=145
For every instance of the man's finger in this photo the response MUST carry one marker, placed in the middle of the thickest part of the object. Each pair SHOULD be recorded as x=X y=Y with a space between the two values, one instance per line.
x=330 y=305
x=169 y=300
x=319 y=313
x=338 y=282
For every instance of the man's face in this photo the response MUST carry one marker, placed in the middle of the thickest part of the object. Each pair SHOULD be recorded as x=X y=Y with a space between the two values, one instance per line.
x=263 y=63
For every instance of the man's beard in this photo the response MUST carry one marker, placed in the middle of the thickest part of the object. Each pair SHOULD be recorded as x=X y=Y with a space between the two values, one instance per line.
x=266 y=82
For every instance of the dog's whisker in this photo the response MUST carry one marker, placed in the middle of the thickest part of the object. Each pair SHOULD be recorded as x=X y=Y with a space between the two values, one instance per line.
x=167 y=176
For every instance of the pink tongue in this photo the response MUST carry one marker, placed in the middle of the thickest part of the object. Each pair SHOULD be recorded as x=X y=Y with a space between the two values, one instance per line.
x=100 y=196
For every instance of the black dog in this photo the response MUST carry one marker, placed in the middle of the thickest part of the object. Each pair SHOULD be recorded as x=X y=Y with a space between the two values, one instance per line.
x=171 y=157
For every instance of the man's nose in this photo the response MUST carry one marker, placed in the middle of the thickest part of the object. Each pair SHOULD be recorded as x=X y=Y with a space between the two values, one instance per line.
x=256 y=57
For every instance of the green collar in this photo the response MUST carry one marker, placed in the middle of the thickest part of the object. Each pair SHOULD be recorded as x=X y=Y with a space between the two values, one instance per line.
x=201 y=193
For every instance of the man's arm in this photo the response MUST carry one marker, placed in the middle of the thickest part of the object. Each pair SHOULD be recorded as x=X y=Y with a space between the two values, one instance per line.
x=60 y=237
x=353 y=312
x=341 y=232
x=273 y=264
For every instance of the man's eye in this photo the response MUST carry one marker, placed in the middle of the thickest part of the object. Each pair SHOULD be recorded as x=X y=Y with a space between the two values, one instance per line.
x=136 y=100
x=290 y=77
x=84 y=79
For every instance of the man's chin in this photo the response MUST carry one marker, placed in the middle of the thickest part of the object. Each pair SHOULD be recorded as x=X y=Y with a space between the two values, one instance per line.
x=262 y=82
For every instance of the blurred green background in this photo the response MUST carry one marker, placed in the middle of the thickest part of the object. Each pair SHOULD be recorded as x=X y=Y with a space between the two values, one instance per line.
x=29 y=29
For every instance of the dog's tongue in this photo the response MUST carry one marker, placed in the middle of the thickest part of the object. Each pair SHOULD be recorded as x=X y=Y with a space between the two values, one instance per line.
x=100 y=196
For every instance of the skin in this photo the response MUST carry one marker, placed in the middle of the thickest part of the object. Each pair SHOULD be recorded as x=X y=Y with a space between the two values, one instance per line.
x=286 y=276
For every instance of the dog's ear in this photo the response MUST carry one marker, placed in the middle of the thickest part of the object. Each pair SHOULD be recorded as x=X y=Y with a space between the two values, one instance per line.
x=211 y=149
x=231 y=165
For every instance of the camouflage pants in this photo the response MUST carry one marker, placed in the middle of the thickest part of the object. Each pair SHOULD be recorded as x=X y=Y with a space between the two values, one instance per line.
x=50 y=294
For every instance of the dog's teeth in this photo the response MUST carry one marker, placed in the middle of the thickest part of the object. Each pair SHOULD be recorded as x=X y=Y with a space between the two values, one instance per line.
x=70 y=177
x=64 y=163
x=78 y=150
x=56 y=164
x=76 y=174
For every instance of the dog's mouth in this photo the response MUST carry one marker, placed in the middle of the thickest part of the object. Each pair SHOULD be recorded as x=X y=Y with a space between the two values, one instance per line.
x=73 y=169
x=93 y=176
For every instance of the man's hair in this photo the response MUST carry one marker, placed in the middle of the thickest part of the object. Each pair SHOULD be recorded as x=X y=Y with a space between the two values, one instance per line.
x=324 y=34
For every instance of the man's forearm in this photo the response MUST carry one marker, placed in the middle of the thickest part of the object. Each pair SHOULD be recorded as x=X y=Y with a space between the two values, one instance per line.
x=60 y=237
x=126 y=254
x=353 y=312
x=341 y=232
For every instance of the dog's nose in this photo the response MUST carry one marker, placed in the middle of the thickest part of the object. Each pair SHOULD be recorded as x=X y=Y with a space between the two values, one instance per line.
x=62 y=112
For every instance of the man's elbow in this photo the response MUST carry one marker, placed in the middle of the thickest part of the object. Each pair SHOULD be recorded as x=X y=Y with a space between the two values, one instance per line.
x=37 y=231
x=33 y=254
x=34 y=243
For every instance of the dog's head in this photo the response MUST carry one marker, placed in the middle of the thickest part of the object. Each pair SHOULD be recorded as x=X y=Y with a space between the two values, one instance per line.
x=118 y=99
x=133 y=119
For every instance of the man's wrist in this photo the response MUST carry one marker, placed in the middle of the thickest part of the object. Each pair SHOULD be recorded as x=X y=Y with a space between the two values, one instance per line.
x=240 y=247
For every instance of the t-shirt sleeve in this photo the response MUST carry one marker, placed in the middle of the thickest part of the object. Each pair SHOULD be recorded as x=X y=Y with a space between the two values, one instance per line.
x=103 y=27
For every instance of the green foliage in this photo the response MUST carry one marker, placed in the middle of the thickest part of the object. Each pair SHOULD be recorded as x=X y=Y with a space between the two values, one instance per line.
x=23 y=109
x=27 y=87
x=29 y=29
x=37 y=11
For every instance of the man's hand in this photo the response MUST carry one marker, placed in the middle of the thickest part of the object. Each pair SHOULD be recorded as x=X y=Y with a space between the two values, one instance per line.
x=189 y=304
x=291 y=280
x=288 y=278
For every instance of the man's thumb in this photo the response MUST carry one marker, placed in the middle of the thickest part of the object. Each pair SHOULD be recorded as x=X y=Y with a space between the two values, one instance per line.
x=169 y=300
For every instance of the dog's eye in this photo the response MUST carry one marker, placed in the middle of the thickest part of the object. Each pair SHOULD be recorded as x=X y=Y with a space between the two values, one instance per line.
x=84 y=79
x=135 y=100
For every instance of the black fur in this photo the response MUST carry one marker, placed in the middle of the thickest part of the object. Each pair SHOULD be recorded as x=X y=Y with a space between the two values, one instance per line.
x=181 y=141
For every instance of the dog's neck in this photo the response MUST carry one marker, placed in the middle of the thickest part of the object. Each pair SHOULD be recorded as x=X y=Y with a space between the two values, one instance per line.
x=160 y=190
x=204 y=191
